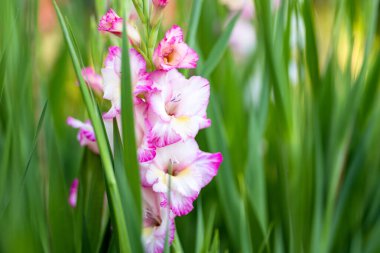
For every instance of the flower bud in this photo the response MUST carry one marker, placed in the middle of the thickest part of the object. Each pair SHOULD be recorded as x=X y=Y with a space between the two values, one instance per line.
x=112 y=23
x=160 y=3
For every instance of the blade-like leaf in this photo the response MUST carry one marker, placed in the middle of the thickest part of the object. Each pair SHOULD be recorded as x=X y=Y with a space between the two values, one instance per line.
x=34 y=145
x=218 y=50
x=105 y=153
x=128 y=127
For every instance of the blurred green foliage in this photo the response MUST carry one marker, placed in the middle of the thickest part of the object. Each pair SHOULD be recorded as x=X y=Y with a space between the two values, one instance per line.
x=301 y=162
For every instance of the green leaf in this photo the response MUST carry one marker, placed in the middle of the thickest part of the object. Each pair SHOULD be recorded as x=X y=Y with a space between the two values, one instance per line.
x=128 y=128
x=193 y=23
x=130 y=209
x=104 y=149
x=177 y=247
x=25 y=173
x=200 y=234
x=218 y=50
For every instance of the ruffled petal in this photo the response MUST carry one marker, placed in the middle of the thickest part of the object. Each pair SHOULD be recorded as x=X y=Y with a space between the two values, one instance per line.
x=174 y=35
x=111 y=22
x=94 y=80
x=177 y=108
x=195 y=97
x=172 y=52
x=186 y=169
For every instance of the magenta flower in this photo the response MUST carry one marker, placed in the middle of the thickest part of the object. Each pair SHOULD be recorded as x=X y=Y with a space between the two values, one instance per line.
x=160 y=3
x=94 y=80
x=74 y=193
x=86 y=135
x=172 y=52
x=187 y=168
x=156 y=221
x=177 y=107
x=112 y=23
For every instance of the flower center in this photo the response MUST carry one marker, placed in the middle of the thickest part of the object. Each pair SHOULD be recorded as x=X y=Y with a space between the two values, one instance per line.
x=152 y=220
x=170 y=56
x=171 y=106
x=172 y=170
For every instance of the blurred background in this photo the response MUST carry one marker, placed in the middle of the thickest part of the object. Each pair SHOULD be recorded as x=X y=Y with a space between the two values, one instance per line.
x=295 y=111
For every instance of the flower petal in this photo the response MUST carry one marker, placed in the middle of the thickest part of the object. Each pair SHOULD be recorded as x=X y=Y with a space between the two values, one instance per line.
x=74 y=193
x=172 y=52
x=156 y=222
x=186 y=168
x=94 y=80
x=177 y=108
x=111 y=22
x=86 y=134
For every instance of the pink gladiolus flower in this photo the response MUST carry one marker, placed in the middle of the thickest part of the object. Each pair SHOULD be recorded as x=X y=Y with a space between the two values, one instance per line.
x=146 y=151
x=186 y=168
x=169 y=110
x=86 y=135
x=172 y=52
x=112 y=23
x=160 y=3
x=74 y=193
x=177 y=107
x=111 y=77
x=94 y=80
x=156 y=222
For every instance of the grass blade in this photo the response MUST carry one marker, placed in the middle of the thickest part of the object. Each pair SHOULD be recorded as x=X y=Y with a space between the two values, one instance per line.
x=34 y=145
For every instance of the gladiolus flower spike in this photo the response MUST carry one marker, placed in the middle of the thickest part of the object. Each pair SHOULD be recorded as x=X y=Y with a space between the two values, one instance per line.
x=169 y=110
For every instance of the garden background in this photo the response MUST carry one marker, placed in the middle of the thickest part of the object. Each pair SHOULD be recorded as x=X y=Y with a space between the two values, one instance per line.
x=296 y=117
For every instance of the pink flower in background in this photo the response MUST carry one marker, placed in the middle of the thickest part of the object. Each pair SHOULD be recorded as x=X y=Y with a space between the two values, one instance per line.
x=86 y=135
x=243 y=38
x=237 y=5
x=156 y=221
x=74 y=193
x=186 y=168
x=112 y=23
x=160 y=3
x=172 y=52
x=276 y=4
x=177 y=107
x=94 y=80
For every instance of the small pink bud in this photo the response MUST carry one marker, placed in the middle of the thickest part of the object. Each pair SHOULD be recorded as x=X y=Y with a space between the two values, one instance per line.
x=112 y=23
x=74 y=193
x=94 y=80
x=160 y=3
